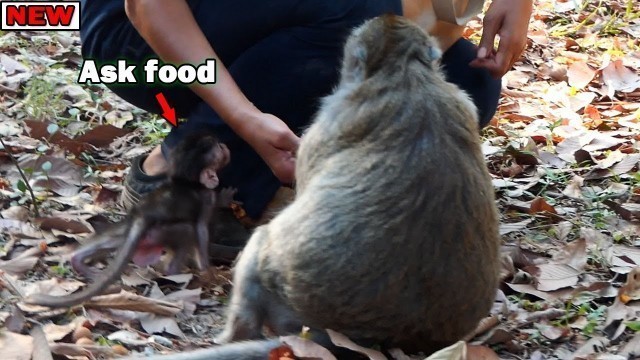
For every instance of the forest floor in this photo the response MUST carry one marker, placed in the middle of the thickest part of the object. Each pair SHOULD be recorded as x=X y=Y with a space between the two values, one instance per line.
x=563 y=150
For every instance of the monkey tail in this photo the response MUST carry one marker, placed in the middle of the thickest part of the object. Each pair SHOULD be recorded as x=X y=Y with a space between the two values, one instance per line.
x=113 y=270
x=245 y=350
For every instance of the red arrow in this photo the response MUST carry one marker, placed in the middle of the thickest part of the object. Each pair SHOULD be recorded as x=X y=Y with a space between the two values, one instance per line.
x=168 y=113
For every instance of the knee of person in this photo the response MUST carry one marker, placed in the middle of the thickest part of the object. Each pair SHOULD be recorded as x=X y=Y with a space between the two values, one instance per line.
x=483 y=89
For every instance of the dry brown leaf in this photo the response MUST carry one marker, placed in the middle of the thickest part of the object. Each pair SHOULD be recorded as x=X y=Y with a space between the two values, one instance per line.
x=629 y=212
x=457 y=351
x=623 y=227
x=90 y=351
x=567 y=148
x=596 y=290
x=551 y=332
x=624 y=166
x=553 y=160
x=631 y=123
x=513 y=227
x=106 y=196
x=633 y=208
x=573 y=254
x=539 y=205
x=631 y=288
x=593 y=113
x=484 y=326
x=20 y=265
x=132 y=338
x=341 y=340
x=53 y=286
x=553 y=70
x=305 y=348
x=574 y=188
x=129 y=301
x=632 y=347
x=15 y=213
x=188 y=297
x=562 y=230
x=574 y=56
x=595 y=238
x=14 y=321
x=65 y=178
x=15 y=346
x=580 y=74
x=551 y=277
x=581 y=100
x=594 y=345
x=55 y=332
x=20 y=228
x=530 y=289
x=612 y=158
x=68 y=225
x=38 y=130
x=516 y=79
x=619 y=311
x=118 y=118
x=102 y=136
x=618 y=77
x=11 y=66
x=539 y=36
x=600 y=141
x=625 y=256
x=479 y=352
x=154 y=324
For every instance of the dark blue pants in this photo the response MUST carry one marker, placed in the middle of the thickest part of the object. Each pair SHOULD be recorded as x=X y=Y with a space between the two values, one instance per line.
x=284 y=55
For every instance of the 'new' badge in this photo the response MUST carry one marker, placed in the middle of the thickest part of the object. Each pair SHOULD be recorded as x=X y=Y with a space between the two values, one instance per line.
x=40 y=15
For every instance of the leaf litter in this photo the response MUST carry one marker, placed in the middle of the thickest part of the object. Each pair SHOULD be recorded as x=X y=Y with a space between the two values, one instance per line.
x=563 y=151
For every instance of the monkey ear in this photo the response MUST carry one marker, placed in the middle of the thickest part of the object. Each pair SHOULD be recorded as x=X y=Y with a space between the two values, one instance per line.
x=355 y=66
x=209 y=178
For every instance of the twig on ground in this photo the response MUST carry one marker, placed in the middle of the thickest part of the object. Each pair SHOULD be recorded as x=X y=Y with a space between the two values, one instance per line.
x=23 y=176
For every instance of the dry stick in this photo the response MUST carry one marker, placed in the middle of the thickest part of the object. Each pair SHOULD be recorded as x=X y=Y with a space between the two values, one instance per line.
x=24 y=177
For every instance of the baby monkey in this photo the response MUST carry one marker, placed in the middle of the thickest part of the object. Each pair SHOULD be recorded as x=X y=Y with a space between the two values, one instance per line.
x=178 y=216
x=392 y=238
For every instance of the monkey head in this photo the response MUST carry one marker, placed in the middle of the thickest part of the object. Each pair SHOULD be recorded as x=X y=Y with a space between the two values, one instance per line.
x=385 y=40
x=198 y=160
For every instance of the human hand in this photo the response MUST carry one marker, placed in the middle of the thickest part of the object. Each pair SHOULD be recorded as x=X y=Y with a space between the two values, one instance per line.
x=272 y=139
x=510 y=20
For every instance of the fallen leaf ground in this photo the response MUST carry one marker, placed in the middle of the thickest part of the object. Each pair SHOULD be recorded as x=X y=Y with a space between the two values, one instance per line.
x=564 y=152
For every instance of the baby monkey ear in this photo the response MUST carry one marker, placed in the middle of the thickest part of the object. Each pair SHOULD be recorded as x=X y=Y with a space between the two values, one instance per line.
x=209 y=178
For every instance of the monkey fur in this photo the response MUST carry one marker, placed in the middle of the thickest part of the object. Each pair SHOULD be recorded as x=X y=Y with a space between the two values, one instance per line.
x=393 y=237
x=177 y=216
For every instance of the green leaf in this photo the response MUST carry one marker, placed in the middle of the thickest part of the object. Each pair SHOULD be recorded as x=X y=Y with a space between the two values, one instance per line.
x=22 y=186
x=60 y=270
x=633 y=325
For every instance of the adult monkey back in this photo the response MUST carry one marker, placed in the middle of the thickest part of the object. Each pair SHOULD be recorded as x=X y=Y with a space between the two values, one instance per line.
x=393 y=235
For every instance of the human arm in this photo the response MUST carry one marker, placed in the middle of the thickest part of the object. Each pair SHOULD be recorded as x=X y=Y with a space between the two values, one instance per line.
x=510 y=20
x=168 y=26
x=422 y=12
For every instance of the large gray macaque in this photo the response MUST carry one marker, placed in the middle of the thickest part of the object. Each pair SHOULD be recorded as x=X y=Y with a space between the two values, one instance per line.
x=392 y=238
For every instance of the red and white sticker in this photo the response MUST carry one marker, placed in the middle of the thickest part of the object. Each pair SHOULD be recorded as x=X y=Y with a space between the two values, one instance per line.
x=40 y=15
